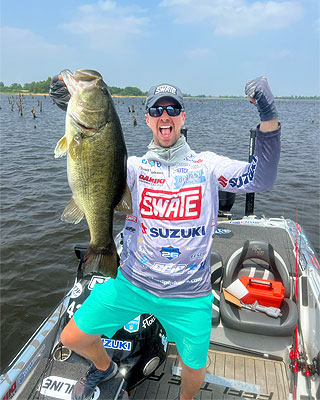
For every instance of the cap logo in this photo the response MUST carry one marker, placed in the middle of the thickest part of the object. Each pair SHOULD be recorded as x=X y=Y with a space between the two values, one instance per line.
x=165 y=89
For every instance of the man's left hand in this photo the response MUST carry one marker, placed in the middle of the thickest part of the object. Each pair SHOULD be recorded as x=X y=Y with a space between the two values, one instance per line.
x=260 y=94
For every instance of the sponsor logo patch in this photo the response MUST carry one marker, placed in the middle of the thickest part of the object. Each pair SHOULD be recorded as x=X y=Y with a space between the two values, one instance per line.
x=151 y=162
x=165 y=89
x=132 y=218
x=169 y=268
x=242 y=180
x=151 y=180
x=170 y=252
x=178 y=233
x=190 y=179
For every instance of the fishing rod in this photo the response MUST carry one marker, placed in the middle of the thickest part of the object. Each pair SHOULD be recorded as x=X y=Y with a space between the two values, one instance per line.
x=246 y=351
x=299 y=358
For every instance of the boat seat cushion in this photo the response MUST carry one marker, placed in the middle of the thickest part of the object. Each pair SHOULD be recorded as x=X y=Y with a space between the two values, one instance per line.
x=258 y=260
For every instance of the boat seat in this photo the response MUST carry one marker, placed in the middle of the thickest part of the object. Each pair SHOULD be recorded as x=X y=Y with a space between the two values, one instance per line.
x=258 y=259
x=216 y=277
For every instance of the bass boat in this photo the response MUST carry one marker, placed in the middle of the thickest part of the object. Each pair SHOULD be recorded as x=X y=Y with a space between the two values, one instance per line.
x=257 y=351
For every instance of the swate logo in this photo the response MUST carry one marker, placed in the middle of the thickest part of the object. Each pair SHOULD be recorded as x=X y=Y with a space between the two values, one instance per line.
x=181 y=205
x=166 y=89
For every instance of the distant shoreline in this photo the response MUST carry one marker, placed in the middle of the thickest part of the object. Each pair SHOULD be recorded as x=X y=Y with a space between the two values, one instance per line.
x=282 y=98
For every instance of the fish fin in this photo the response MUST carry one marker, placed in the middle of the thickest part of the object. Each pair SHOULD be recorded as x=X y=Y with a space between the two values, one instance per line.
x=75 y=147
x=125 y=204
x=61 y=147
x=104 y=260
x=72 y=213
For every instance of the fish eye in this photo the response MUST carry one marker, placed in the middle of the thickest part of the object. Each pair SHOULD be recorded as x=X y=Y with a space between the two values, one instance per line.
x=104 y=89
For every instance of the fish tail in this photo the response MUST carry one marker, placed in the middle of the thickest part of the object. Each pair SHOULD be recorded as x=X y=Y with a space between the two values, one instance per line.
x=104 y=260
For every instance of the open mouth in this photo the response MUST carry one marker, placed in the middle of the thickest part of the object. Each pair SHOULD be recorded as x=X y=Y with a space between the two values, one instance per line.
x=165 y=130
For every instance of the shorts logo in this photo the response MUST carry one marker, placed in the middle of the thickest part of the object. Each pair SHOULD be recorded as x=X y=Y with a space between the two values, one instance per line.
x=181 y=205
x=170 y=252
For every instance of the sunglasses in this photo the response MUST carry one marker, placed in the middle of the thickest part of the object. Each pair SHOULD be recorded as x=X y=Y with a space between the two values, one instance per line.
x=173 y=111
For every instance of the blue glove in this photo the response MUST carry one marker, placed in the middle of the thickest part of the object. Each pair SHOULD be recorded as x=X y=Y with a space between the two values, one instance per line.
x=59 y=93
x=259 y=89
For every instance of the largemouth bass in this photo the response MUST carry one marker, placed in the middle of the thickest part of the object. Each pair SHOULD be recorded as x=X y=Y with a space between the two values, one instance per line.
x=96 y=162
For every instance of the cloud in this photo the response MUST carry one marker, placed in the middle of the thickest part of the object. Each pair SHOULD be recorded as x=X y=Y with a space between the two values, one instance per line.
x=235 y=17
x=105 y=24
x=26 y=55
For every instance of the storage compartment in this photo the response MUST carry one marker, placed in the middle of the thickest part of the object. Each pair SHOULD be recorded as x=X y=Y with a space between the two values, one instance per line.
x=265 y=292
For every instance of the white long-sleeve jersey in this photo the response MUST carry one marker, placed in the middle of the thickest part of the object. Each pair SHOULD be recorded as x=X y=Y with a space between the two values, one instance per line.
x=168 y=238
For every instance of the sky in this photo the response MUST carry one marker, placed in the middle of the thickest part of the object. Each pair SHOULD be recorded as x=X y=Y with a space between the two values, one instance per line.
x=209 y=47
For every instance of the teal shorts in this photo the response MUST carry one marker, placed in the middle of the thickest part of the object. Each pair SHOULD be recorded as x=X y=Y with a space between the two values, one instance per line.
x=117 y=301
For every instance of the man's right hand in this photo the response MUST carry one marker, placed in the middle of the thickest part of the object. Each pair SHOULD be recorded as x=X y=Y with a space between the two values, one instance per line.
x=59 y=92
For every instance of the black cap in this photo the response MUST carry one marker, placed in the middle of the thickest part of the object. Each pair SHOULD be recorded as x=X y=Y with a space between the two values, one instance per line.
x=164 y=90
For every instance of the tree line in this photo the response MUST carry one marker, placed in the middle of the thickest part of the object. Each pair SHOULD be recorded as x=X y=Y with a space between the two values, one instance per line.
x=44 y=86
x=33 y=87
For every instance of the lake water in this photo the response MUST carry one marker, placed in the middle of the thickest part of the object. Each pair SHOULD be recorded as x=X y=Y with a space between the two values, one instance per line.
x=37 y=259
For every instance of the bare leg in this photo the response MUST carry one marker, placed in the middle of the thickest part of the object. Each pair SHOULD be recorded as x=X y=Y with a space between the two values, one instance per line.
x=192 y=380
x=88 y=346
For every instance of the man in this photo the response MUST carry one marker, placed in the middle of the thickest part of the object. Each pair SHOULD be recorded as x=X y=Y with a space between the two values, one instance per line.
x=175 y=204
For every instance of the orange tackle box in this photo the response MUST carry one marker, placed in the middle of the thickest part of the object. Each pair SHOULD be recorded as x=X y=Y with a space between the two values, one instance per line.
x=267 y=293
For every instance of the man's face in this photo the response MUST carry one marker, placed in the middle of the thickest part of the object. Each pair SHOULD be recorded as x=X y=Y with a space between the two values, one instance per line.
x=166 y=129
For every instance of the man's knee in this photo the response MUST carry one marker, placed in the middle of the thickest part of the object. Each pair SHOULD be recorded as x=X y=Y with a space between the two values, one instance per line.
x=71 y=336
x=193 y=373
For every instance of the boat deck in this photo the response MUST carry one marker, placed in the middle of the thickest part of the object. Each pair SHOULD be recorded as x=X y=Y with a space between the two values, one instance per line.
x=228 y=243
x=269 y=375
